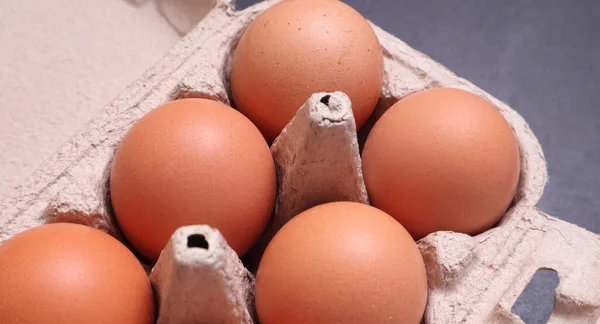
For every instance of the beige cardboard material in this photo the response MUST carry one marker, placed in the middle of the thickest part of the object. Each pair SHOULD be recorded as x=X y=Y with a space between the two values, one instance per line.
x=317 y=161
x=471 y=279
x=311 y=147
x=199 y=279
x=184 y=15
x=62 y=61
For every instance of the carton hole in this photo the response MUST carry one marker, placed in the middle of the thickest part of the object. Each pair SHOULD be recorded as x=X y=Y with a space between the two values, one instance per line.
x=536 y=302
x=325 y=100
x=197 y=241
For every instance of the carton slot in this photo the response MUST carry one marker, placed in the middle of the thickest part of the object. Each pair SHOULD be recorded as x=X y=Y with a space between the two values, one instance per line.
x=540 y=288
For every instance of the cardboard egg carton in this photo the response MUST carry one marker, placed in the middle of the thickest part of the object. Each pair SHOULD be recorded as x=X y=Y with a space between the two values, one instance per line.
x=199 y=279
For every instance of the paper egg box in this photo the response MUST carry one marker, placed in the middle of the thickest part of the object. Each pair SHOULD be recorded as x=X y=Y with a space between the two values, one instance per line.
x=199 y=279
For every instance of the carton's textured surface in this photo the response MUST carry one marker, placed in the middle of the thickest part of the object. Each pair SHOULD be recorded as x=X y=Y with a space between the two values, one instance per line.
x=317 y=161
x=197 y=265
x=471 y=279
x=62 y=61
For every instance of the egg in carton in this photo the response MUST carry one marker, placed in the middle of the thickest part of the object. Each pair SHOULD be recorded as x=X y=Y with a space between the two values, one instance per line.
x=199 y=278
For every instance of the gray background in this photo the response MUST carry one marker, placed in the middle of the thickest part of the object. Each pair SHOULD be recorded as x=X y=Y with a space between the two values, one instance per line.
x=542 y=57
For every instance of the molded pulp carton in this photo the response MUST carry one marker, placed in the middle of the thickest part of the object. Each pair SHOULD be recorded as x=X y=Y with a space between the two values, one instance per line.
x=199 y=279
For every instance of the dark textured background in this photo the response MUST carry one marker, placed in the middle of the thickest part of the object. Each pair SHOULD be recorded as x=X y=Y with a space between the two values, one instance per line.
x=542 y=57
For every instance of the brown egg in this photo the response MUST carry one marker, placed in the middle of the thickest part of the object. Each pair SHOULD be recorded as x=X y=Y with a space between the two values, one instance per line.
x=341 y=262
x=297 y=48
x=442 y=159
x=192 y=161
x=68 y=273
